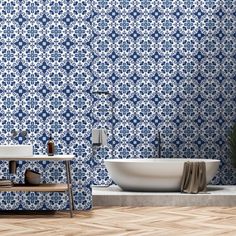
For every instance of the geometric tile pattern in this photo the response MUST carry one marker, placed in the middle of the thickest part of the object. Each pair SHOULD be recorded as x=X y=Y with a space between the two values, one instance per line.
x=169 y=66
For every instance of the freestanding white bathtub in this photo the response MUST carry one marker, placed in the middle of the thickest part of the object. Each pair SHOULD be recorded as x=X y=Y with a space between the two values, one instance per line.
x=160 y=174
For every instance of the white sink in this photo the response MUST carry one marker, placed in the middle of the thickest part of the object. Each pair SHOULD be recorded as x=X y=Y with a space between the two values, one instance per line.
x=16 y=151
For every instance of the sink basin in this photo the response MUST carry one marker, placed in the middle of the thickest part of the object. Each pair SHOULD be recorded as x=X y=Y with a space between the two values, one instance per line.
x=16 y=151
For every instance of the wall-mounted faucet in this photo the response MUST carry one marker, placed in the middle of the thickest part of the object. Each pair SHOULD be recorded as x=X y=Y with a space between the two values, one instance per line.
x=13 y=164
x=22 y=134
x=159 y=143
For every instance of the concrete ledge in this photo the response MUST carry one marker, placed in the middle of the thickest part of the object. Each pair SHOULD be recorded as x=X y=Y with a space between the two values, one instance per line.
x=216 y=195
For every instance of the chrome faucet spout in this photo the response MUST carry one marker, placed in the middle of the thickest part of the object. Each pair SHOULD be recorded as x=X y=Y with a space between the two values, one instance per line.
x=159 y=147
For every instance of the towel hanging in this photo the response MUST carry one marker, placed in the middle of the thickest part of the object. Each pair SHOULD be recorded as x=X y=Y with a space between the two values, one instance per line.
x=194 y=177
x=99 y=137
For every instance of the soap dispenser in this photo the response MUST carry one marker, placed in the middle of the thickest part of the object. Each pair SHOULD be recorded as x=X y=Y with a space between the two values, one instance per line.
x=50 y=146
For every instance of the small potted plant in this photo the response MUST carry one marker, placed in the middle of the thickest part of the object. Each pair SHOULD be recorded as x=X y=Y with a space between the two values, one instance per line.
x=232 y=145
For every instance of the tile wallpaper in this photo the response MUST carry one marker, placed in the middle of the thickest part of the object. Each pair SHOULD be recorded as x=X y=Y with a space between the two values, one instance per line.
x=168 y=65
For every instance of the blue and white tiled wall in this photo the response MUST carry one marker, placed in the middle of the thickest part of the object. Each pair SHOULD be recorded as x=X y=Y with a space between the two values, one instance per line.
x=169 y=64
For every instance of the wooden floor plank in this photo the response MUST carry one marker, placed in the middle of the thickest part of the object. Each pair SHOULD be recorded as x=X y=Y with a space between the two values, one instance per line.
x=125 y=221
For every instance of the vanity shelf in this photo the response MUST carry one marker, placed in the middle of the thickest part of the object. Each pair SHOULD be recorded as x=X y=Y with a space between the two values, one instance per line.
x=48 y=187
x=37 y=188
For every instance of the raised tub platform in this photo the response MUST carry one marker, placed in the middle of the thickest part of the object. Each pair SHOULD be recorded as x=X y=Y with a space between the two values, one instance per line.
x=216 y=195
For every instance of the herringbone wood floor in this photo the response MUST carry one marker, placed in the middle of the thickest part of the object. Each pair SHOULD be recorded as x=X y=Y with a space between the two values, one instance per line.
x=125 y=221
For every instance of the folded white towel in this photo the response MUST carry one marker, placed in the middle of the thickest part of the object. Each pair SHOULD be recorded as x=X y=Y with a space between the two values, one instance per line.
x=99 y=137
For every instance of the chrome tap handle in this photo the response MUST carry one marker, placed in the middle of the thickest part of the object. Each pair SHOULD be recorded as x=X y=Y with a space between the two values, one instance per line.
x=24 y=133
x=13 y=133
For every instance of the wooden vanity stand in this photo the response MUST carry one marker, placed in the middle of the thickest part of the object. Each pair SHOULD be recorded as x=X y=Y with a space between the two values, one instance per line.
x=60 y=187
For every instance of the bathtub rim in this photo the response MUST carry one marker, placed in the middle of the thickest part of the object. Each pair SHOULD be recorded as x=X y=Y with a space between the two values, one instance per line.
x=161 y=160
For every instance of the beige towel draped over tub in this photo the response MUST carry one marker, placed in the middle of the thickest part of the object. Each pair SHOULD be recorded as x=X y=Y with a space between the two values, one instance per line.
x=194 y=177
